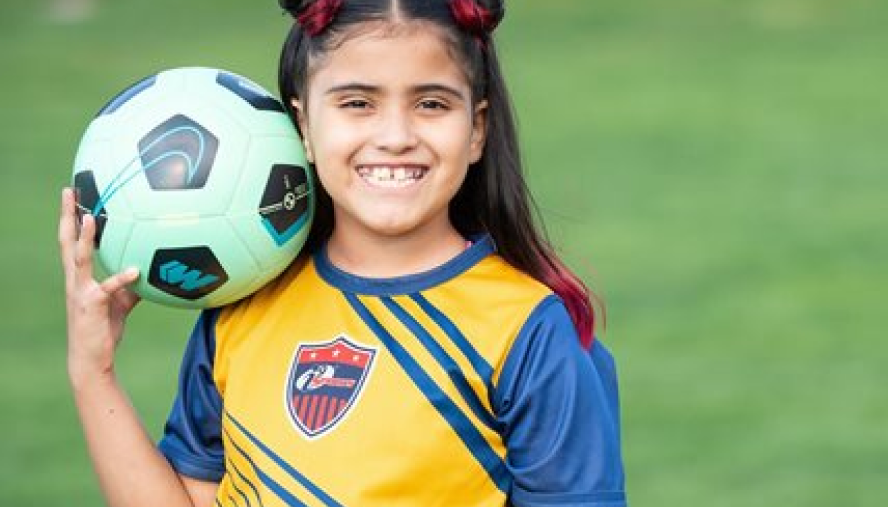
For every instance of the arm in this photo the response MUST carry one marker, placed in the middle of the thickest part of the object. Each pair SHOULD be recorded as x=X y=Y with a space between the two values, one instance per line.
x=130 y=469
x=558 y=406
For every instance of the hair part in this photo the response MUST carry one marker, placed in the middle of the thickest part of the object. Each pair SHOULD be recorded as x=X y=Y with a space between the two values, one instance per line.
x=494 y=197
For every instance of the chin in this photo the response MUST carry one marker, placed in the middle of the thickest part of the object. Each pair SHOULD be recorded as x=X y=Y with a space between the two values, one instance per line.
x=391 y=229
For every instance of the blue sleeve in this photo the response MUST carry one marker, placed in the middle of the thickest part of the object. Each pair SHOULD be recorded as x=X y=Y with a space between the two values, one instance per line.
x=558 y=407
x=192 y=439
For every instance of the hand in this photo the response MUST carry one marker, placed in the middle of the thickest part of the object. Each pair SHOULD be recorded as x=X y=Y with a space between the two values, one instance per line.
x=96 y=310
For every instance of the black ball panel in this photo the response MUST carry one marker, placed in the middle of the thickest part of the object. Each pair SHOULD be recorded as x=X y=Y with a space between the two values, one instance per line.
x=250 y=94
x=126 y=95
x=189 y=273
x=87 y=197
x=178 y=154
x=285 y=200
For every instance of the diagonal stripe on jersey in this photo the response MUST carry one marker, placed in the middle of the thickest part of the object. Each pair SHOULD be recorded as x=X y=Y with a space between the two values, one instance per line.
x=447 y=363
x=462 y=426
x=239 y=492
x=269 y=483
x=482 y=367
x=292 y=472
x=245 y=480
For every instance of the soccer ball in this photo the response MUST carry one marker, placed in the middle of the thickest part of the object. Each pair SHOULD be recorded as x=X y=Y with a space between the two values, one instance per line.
x=197 y=177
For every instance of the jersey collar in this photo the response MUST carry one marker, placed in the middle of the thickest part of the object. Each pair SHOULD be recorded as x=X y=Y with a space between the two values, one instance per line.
x=481 y=247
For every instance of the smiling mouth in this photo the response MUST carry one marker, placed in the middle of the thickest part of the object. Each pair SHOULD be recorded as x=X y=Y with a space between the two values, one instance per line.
x=392 y=176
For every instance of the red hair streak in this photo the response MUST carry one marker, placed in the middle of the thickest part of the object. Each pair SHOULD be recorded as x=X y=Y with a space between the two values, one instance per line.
x=472 y=17
x=318 y=16
x=575 y=296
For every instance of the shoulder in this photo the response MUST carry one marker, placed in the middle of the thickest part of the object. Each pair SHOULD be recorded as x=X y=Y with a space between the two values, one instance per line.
x=246 y=311
x=238 y=322
x=499 y=288
x=547 y=334
x=557 y=404
x=489 y=303
x=496 y=272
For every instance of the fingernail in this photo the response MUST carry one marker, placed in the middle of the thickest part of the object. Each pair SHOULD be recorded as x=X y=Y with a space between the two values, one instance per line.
x=131 y=271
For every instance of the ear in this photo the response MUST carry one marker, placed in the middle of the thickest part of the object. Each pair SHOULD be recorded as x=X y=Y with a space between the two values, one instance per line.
x=303 y=127
x=479 y=131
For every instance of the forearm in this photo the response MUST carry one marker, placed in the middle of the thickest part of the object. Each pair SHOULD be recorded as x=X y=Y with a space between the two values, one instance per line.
x=130 y=469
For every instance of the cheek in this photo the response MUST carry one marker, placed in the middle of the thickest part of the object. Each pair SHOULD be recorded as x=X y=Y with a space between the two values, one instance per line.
x=453 y=139
x=332 y=142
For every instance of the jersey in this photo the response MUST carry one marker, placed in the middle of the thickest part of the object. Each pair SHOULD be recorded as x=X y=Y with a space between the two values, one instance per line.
x=464 y=385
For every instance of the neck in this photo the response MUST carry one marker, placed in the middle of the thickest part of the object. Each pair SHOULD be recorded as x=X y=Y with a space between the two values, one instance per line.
x=374 y=256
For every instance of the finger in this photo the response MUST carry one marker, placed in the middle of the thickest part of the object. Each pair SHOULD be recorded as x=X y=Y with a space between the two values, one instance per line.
x=83 y=248
x=114 y=283
x=130 y=299
x=67 y=226
x=127 y=299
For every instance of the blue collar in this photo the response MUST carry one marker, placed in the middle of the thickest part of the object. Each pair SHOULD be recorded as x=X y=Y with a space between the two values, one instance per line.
x=482 y=246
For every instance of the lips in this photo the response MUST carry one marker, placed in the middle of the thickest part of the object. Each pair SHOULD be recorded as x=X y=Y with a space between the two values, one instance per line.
x=392 y=176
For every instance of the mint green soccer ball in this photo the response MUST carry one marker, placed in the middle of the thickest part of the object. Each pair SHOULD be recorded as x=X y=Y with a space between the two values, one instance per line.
x=197 y=177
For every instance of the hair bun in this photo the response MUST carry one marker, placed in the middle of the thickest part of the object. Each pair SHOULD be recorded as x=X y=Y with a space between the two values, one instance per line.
x=497 y=9
x=476 y=16
x=294 y=7
x=314 y=15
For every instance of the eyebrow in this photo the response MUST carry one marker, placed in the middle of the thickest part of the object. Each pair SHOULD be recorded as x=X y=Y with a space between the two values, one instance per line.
x=418 y=89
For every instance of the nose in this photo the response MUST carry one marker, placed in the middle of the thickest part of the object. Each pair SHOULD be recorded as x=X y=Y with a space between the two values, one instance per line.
x=396 y=132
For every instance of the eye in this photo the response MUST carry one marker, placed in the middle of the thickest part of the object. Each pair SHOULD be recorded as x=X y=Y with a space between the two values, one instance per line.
x=433 y=105
x=354 y=103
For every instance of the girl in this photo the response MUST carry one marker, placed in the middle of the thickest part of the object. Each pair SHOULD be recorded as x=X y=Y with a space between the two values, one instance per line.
x=427 y=349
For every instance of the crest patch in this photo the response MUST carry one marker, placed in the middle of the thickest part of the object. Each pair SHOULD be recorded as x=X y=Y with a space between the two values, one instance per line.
x=325 y=382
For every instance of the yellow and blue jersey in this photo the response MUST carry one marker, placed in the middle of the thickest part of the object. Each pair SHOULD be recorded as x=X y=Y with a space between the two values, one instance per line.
x=462 y=386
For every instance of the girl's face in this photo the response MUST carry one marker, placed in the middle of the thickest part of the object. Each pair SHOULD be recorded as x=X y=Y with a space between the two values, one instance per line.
x=389 y=123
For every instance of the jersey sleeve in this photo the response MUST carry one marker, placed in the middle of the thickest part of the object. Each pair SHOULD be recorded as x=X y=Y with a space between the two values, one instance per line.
x=192 y=439
x=557 y=404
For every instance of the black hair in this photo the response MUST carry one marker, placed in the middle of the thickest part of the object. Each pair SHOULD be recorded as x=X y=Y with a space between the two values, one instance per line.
x=494 y=197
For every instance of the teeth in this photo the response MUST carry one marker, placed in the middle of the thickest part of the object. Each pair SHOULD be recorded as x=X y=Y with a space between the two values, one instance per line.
x=391 y=176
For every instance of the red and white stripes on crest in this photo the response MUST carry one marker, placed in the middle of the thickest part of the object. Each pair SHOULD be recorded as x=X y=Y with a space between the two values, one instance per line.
x=317 y=411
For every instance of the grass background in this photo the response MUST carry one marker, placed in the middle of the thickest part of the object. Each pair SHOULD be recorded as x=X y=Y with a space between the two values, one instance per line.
x=715 y=169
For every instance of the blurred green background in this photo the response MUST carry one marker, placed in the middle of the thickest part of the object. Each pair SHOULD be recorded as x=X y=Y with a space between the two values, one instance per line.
x=715 y=169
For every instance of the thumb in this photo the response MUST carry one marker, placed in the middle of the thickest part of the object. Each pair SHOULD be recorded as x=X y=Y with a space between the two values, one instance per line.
x=120 y=280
